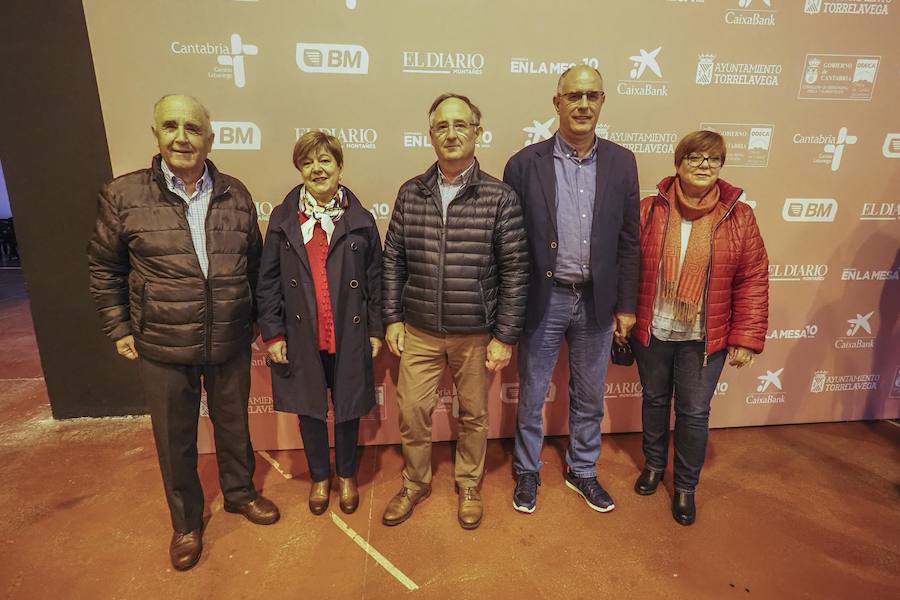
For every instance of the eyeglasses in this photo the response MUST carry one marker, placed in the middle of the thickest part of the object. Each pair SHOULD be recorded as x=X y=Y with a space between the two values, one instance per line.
x=459 y=127
x=575 y=97
x=695 y=160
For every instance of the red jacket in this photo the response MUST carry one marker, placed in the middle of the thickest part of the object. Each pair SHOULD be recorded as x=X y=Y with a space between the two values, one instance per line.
x=737 y=290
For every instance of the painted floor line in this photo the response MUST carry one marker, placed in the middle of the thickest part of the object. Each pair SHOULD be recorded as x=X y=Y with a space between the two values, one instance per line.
x=275 y=464
x=23 y=379
x=894 y=423
x=375 y=554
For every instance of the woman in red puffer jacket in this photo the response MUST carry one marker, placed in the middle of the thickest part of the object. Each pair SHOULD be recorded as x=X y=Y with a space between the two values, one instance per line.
x=703 y=299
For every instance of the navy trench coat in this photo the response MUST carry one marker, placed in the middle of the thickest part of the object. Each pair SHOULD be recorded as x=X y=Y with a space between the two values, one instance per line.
x=286 y=299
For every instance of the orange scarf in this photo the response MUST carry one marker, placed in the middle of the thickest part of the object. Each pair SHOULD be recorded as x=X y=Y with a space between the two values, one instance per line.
x=683 y=286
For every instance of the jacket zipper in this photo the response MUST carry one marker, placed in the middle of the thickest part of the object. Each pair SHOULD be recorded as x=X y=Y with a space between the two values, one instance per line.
x=207 y=288
x=712 y=239
x=658 y=267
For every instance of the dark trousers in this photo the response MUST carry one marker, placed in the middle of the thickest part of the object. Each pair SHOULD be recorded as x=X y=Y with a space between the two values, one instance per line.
x=173 y=397
x=315 y=438
x=667 y=367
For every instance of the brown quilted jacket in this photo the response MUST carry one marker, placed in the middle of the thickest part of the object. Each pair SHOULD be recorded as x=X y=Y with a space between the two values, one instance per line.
x=737 y=291
x=146 y=279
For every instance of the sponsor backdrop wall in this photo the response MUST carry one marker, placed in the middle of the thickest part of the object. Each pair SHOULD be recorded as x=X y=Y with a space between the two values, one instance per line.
x=804 y=91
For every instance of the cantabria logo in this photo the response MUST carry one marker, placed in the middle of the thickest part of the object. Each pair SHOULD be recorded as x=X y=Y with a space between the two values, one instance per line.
x=443 y=63
x=640 y=142
x=833 y=146
x=229 y=56
x=807 y=332
x=747 y=144
x=880 y=211
x=768 y=391
x=236 y=135
x=838 y=77
x=354 y=138
x=419 y=139
x=748 y=12
x=645 y=75
x=797 y=272
x=852 y=274
x=809 y=210
x=344 y=59
x=858 y=334
x=847 y=7
x=713 y=72
x=538 y=131
x=528 y=66
x=823 y=382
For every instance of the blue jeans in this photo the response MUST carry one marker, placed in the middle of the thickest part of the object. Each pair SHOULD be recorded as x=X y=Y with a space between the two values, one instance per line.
x=667 y=367
x=569 y=315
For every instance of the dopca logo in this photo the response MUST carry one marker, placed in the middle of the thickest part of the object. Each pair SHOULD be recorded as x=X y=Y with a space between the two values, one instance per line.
x=847 y=7
x=797 y=272
x=527 y=66
x=880 y=211
x=809 y=210
x=750 y=12
x=509 y=393
x=891 y=147
x=768 y=391
x=353 y=138
x=640 y=142
x=443 y=63
x=838 y=77
x=344 y=59
x=229 y=56
x=747 y=144
x=419 y=139
x=711 y=72
x=823 y=382
x=858 y=334
x=236 y=135
x=852 y=274
x=645 y=76
x=833 y=146
x=538 y=131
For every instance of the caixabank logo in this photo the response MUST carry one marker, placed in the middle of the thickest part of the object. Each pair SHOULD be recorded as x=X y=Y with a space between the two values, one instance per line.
x=877 y=8
x=753 y=13
x=748 y=145
x=339 y=59
x=713 y=71
x=838 y=77
x=858 y=334
x=768 y=389
x=539 y=131
x=645 y=76
x=230 y=56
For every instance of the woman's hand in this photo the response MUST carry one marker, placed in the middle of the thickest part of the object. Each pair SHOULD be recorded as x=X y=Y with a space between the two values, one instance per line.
x=278 y=352
x=739 y=357
x=376 y=346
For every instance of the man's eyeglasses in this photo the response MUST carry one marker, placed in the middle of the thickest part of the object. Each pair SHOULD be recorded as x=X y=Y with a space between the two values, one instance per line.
x=575 y=97
x=459 y=127
x=695 y=160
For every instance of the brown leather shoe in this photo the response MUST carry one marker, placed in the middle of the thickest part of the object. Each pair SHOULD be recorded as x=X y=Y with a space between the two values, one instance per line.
x=349 y=494
x=261 y=511
x=400 y=508
x=470 y=507
x=185 y=549
x=318 y=496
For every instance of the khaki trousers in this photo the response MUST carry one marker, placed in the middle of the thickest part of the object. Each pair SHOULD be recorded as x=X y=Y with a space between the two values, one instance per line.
x=422 y=364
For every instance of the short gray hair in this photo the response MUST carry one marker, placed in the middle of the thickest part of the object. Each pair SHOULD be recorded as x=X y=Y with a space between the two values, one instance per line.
x=200 y=104
x=476 y=112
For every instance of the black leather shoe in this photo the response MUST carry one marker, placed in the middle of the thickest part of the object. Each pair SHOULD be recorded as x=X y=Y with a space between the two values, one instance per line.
x=683 y=510
x=647 y=482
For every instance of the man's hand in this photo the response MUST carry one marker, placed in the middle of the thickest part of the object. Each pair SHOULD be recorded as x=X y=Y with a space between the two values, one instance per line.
x=376 y=346
x=278 y=352
x=125 y=347
x=395 y=336
x=624 y=323
x=498 y=355
x=739 y=357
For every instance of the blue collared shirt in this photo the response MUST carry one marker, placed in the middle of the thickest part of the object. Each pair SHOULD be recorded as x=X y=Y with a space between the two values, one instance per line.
x=576 y=186
x=450 y=190
x=196 y=207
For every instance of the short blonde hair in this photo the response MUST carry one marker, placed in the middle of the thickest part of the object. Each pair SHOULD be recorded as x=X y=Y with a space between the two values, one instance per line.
x=700 y=141
x=311 y=141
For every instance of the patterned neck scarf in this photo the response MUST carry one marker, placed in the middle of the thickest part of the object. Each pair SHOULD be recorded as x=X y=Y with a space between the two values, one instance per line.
x=326 y=216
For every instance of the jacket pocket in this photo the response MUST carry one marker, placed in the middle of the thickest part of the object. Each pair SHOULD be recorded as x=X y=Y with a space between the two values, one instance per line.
x=484 y=304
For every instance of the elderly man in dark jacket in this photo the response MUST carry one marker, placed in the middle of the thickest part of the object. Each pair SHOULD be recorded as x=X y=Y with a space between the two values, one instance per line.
x=455 y=274
x=173 y=260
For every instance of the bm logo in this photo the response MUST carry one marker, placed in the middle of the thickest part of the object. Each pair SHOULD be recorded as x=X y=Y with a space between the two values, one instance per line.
x=236 y=135
x=810 y=210
x=348 y=59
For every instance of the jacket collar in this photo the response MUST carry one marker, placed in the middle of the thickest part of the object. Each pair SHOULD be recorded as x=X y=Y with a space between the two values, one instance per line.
x=728 y=194
x=428 y=181
x=219 y=186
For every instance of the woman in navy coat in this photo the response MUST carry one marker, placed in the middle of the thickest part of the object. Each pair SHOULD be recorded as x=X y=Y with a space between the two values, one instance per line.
x=319 y=300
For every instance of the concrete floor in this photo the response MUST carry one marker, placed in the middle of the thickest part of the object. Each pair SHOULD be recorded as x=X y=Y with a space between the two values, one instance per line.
x=806 y=511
